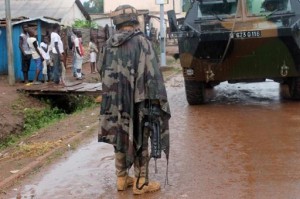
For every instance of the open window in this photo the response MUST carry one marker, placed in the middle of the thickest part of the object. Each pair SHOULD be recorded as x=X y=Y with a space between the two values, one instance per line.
x=217 y=7
x=263 y=7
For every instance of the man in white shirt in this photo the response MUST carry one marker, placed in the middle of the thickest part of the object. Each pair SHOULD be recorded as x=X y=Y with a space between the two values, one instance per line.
x=58 y=53
x=93 y=54
x=148 y=31
x=45 y=53
x=36 y=54
x=73 y=37
x=78 y=55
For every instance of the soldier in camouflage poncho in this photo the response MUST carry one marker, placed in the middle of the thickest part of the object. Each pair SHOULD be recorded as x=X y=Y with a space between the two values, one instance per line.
x=131 y=80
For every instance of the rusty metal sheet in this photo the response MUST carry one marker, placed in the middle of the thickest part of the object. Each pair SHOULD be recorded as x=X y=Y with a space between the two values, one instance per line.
x=90 y=87
x=37 y=8
x=70 y=88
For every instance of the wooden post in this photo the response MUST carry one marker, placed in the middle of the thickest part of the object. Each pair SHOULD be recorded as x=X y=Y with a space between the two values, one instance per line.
x=39 y=31
x=11 y=69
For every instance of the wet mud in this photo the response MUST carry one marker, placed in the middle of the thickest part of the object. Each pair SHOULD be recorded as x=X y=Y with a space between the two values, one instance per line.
x=244 y=143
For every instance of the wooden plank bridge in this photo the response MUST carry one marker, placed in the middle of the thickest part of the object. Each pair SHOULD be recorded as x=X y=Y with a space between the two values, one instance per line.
x=77 y=88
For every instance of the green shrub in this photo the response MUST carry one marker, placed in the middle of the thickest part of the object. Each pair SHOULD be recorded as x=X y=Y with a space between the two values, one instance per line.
x=35 y=119
x=78 y=23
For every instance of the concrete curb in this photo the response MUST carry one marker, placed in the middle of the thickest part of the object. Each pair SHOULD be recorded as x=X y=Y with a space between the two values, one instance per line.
x=11 y=180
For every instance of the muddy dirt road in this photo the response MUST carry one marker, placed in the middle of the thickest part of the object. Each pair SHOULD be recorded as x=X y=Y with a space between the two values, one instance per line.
x=244 y=143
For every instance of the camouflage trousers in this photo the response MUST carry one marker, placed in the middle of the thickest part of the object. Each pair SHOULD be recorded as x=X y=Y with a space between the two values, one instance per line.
x=140 y=163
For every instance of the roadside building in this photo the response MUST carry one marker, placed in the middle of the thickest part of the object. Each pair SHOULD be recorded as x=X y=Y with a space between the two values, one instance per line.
x=101 y=19
x=41 y=25
x=39 y=14
x=66 y=11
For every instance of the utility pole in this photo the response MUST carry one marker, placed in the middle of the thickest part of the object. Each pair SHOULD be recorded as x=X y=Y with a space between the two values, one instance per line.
x=174 y=6
x=11 y=69
x=162 y=32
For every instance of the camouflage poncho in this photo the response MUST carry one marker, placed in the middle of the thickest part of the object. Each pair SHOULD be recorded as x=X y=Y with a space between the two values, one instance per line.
x=130 y=77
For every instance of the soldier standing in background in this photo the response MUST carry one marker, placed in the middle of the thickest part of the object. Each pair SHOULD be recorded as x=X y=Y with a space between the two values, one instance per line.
x=102 y=37
x=132 y=83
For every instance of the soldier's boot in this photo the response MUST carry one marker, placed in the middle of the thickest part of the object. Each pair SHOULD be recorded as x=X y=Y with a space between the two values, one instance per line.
x=151 y=187
x=124 y=182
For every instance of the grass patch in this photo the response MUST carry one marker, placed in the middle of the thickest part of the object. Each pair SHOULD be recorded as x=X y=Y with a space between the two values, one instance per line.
x=83 y=102
x=54 y=110
x=35 y=119
x=35 y=149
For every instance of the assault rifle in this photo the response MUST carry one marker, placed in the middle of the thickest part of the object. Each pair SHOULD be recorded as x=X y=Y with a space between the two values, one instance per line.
x=153 y=124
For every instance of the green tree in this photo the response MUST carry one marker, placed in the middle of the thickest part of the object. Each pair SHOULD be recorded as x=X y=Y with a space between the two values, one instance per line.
x=186 y=5
x=97 y=4
x=78 y=23
x=87 y=6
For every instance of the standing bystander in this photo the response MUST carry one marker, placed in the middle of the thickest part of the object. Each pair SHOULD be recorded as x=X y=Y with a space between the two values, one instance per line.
x=25 y=52
x=36 y=55
x=72 y=48
x=64 y=39
x=46 y=63
x=93 y=54
x=78 y=55
x=57 y=52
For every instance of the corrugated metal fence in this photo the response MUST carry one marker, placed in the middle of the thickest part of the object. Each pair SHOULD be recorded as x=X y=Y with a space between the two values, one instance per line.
x=3 y=52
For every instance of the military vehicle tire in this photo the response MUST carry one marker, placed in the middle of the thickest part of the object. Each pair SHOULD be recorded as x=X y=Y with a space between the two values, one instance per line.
x=294 y=87
x=195 y=92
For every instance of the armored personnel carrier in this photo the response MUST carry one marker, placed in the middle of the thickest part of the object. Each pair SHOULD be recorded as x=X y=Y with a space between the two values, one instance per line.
x=238 y=41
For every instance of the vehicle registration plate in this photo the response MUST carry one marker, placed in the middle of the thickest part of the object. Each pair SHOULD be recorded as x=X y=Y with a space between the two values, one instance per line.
x=247 y=34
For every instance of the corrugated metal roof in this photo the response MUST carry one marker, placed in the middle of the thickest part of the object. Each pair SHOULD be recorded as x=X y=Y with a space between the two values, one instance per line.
x=50 y=21
x=35 y=8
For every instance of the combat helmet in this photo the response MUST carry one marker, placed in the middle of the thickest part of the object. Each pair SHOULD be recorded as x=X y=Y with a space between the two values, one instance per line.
x=125 y=14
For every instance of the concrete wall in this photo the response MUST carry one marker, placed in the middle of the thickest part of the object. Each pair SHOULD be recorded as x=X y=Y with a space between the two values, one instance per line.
x=103 y=21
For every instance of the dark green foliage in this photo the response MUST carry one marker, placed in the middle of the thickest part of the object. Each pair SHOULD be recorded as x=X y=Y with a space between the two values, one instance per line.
x=78 y=23
x=34 y=119
x=38 y=118
x=56 y=108
x=93 y=6
x=72 y=103
x=186 y=5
